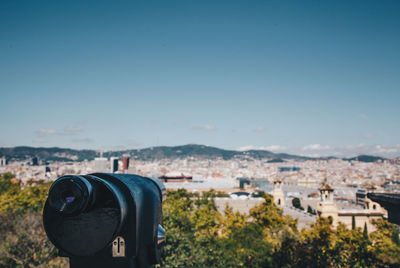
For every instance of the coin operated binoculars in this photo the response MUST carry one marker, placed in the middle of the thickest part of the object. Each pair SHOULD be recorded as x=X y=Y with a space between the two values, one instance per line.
x=106 y=220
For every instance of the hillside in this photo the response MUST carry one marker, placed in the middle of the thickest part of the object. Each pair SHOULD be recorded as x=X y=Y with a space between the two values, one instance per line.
x=46 y=153
x=151 y=153
x=157 y=153
x=366 y=158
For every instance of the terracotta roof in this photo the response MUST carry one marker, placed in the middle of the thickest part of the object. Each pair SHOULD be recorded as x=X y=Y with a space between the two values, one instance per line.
x=277 y=180
x=325 y=187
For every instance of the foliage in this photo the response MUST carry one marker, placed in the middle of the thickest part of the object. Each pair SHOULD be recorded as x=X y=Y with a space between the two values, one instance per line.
x=311 y=210
x=23 y=242
x=28 y=199
x=6 y=183
x=212 y=194
x=296 y=203
x=386 y=248
x=199 y=235
x=257 y=194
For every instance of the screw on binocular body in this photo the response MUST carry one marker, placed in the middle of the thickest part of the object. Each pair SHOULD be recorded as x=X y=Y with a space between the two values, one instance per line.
x=106 y=220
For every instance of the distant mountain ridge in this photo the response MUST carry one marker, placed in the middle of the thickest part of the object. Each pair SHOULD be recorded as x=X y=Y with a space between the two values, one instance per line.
x=202 y=151
x=366 y=158
x=153 y=153
x=46 y=153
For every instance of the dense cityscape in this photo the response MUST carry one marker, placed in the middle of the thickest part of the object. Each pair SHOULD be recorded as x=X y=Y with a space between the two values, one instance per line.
x=300 y=179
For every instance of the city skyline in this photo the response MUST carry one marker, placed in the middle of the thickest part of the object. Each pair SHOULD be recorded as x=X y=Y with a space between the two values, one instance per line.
x=305 y=78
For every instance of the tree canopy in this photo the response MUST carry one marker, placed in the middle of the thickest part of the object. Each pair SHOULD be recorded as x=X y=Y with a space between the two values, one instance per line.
x=199 y=235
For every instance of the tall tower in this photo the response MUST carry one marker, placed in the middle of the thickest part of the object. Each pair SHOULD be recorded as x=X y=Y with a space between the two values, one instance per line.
x=114 y=164
x=277 y=193
x=125 y=163
x=326 y=207
x=3 y=161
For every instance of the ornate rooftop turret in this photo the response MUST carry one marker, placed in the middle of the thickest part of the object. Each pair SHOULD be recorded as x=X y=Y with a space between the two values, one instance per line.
x=277 y=193
x=326 y=207
x=277 y=183
x=326 y=187
x=326 y=192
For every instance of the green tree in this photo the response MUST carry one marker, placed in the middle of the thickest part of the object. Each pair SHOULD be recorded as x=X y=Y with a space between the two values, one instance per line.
x=384 y=246
x=24 y=243
x=267 y=214
x=310 y=210
x=350 y=248
x=288 y=253
x=199 y=236
x=316 y=244
x=6 y=184
x=296 y=203
x=365 y=232
x=30 y=198
x=396 y=235
x=248 y=247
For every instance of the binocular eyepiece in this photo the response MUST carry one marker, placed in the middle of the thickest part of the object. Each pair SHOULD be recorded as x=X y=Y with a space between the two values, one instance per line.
x=71 y=195
x=106 y=220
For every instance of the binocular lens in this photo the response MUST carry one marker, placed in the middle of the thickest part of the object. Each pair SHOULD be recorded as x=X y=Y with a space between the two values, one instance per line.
x=69 y=195
x=69 y=199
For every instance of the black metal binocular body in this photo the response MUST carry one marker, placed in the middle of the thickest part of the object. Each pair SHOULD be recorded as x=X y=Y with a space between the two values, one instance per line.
x=106 y=220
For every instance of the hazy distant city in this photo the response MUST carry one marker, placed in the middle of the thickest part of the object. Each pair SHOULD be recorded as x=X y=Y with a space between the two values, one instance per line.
x=239 y=176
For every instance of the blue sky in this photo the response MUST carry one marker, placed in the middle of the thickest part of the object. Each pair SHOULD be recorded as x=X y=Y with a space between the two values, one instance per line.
x=308 y=77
